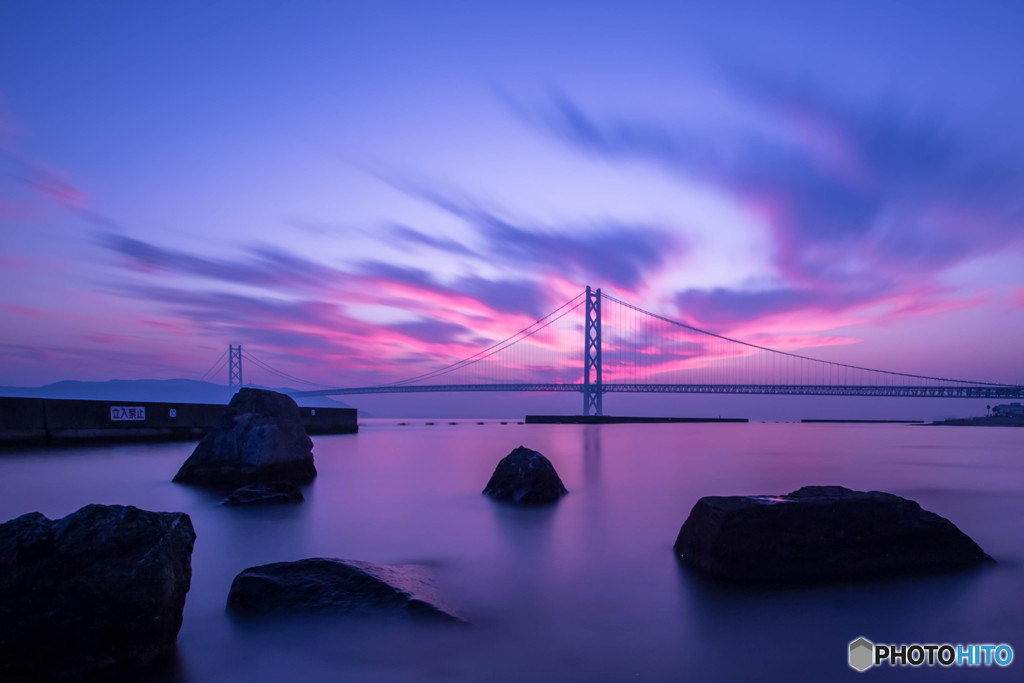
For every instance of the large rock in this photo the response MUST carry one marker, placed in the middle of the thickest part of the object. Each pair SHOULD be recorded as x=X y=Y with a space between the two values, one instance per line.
x=260 y=437
x=331 y=585
x=100 y=590
x=820 y=533
x=526 y=477
x=264 y=493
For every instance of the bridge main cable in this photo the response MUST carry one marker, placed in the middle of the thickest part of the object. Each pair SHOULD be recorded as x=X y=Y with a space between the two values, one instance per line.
x=796 y=355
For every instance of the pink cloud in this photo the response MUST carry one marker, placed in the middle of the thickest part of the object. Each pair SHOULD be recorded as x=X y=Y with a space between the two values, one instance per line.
x=25 y=311
x=876 y=311
x=830 y=147
x=53 y=182
x=176 y=328
x=1016 y=298
x=107 y=339
x=15 y=211
x=43 y=178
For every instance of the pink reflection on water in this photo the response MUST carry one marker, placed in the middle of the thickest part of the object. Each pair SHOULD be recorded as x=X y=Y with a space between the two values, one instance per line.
x=589 y=587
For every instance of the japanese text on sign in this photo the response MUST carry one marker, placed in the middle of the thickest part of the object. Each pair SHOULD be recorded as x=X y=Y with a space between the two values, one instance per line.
x=127 y=413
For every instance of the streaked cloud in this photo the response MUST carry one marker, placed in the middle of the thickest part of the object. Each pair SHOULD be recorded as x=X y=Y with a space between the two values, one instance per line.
x=609 y=251
x=863 y=203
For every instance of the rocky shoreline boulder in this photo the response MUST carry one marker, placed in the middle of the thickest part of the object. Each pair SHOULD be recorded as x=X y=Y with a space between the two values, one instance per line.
x=526 y=477
x=97 y=593
x=820 y=533
x=264 y=493
x=259 y=437
x=330 y=585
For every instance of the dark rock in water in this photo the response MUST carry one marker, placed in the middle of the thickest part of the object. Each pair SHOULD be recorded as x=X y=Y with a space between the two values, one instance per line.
x=260 y=437
x=97 y=593
x=525 y=476
x=331 y=585
x=820 y=533
x=265 y=493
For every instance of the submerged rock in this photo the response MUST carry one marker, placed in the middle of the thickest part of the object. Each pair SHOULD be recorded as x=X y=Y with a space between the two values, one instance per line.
x=259 y=437
x=265 y=493
x=97 y=592
x=331 y=585
x=820 y=533
x=526 y=477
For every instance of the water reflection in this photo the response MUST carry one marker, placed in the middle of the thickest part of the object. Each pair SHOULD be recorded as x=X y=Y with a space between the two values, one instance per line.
x=807 y=629
x=592 y=454
x=527 y=553
x=587 y=589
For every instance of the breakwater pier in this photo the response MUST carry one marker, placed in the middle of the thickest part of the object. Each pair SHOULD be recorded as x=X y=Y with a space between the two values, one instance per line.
x=44 y=421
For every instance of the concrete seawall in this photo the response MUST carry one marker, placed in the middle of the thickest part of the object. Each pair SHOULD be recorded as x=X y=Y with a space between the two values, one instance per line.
x=42 y=421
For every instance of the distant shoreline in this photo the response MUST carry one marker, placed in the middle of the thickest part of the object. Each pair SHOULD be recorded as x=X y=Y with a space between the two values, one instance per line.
x=980 y=422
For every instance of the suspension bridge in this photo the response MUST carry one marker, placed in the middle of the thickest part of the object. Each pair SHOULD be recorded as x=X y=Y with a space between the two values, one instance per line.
x=629 y=349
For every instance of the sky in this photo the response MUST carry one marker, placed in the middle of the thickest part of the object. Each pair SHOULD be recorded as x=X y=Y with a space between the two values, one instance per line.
x=362 y=192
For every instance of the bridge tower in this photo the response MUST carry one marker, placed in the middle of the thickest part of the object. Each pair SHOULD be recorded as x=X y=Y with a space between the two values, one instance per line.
x=234 y=368
x=593 y=391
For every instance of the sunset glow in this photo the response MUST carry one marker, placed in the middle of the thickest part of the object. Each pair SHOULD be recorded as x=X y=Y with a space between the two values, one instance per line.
x=369 y=208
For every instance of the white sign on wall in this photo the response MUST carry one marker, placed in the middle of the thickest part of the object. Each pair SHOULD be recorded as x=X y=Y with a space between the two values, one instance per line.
x=118 y=413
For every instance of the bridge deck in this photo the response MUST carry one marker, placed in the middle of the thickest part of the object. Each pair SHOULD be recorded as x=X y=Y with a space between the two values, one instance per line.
x=978 y=392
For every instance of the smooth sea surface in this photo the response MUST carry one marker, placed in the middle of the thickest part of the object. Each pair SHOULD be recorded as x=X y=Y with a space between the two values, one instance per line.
x=586 y=590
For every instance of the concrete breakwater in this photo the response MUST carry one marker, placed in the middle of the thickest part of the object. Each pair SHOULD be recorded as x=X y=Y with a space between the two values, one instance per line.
x=43 y=421
x=983 y=421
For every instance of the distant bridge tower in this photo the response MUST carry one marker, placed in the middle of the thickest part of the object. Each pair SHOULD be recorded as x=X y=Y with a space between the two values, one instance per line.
x=234 y=368
x=593 y=391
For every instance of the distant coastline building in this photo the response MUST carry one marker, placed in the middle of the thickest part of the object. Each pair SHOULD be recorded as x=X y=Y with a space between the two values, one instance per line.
x=1008 y=410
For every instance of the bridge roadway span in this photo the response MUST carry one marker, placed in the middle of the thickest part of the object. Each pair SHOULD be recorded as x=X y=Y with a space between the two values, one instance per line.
x=981 y=392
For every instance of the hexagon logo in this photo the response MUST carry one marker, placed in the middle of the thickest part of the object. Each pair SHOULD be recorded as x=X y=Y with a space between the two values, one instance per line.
x=862 y=654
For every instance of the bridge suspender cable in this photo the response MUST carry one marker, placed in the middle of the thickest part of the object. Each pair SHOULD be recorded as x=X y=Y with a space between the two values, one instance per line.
x=794 y=355
x=215 y=368
x=528 y=331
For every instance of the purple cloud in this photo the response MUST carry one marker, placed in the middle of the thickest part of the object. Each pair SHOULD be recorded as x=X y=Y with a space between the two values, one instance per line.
x=407 y=236
x=610 y=252
x=839 y=175
x=261 y=266
x=724 y=307
x=432 y=330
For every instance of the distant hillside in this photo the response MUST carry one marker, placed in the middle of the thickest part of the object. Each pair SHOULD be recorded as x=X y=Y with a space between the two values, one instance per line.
x=169 y=390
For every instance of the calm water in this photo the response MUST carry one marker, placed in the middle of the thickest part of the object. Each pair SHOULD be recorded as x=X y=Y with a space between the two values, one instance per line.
x=588 y=590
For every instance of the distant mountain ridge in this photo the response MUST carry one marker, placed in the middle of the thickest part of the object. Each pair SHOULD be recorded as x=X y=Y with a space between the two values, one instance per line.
x=166 y=390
